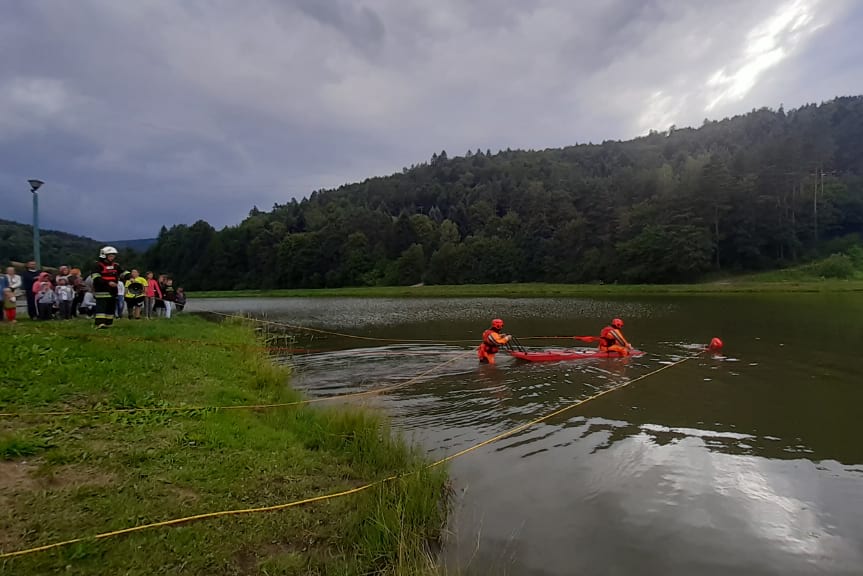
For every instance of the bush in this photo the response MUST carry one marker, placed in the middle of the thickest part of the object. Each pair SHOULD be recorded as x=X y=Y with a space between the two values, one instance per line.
x=836 y=266
x=855 y=253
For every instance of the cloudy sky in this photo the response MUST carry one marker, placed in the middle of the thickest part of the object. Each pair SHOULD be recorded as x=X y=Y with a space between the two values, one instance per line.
x=150 y=112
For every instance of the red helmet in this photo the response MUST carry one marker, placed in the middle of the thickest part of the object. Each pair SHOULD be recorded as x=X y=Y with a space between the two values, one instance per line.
x=617 y=323
x=497 y=323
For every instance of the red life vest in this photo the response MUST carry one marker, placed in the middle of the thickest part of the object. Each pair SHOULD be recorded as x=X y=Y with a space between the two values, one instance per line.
x=609 y=337
x=109 y=271
x=488 y=342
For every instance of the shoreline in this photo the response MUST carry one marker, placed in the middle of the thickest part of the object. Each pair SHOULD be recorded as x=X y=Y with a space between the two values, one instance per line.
x=545 y=290
x=77 y=475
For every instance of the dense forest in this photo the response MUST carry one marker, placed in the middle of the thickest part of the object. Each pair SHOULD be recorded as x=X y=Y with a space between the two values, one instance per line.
x=753 y=192
x=764 y=190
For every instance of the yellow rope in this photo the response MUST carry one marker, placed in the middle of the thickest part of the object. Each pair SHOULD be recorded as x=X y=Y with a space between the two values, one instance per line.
x=330 y=496
x=189 y=519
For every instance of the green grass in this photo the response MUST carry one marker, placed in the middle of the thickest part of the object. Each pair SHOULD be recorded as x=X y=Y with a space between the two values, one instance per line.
x=808 y=274
x=731 y=285
x=79 y=475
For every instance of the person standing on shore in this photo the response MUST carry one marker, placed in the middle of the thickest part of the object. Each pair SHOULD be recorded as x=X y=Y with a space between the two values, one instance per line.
x=78 y=287
x=9 y=305
x=12 y=281
x=105 y=277
x=136 y=287
x=121 y=296
x=153 y=291
x=180 y=299
x=65 y=296
x=28 y=278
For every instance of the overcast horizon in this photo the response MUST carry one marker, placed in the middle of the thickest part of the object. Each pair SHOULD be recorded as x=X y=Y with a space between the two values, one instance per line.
x=138 y=115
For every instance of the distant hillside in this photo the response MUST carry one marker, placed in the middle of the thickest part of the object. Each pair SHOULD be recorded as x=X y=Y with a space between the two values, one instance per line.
x=58 y=248
x=763 y=190
x=16 y=244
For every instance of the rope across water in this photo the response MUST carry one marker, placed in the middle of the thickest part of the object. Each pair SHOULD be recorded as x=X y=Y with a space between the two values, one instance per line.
x=460 y=453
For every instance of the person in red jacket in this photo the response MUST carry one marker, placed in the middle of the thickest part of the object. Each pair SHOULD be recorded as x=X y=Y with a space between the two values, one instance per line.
x=611 y=339
x=492 y=340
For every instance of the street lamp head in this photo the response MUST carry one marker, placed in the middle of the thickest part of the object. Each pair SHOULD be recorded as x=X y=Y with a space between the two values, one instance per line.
x=35 y=185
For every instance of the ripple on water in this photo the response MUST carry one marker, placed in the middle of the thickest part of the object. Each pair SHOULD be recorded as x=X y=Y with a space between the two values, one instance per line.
x=692 y=475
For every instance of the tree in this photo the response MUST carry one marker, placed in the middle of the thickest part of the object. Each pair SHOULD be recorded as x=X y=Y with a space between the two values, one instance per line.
x=735 y=194
x=411 y=265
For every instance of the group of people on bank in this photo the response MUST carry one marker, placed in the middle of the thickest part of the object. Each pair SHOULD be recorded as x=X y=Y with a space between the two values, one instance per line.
x=115 y=289
x=107 y=293
x=611 y=339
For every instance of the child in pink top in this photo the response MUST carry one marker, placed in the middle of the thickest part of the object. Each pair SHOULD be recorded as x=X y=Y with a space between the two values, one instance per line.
x=152 y=292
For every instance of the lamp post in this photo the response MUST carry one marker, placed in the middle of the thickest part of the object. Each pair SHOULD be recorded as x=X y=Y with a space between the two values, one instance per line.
x=34 y=188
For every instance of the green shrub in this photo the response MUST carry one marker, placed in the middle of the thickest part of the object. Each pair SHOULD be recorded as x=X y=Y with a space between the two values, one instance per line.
x=838 y=266
x=855 y=253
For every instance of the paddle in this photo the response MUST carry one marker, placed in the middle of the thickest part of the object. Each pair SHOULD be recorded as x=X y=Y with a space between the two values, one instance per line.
x=514 y=343
x=586 y=338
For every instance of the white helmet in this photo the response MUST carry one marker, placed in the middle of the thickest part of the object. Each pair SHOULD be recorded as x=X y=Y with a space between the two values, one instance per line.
x=103 y=253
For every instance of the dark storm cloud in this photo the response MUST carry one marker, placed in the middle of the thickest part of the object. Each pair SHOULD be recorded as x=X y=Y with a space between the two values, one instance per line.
x=360 y=24
x=139 y=114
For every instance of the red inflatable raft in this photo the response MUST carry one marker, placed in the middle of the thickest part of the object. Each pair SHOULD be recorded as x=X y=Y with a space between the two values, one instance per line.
x=562 y=355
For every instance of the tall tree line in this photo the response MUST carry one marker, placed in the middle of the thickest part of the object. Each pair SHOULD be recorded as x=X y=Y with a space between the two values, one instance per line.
x=757 y=191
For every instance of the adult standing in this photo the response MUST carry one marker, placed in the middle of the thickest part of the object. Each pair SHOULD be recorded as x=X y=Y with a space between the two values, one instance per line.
x=28 y=278
x=106 y=276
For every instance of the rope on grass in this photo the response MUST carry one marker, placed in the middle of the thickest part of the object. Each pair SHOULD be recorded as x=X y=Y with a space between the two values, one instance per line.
x=333 y=495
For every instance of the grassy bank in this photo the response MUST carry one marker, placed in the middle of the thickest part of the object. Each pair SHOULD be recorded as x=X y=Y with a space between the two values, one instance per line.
x=71 y=476
x=755 y=284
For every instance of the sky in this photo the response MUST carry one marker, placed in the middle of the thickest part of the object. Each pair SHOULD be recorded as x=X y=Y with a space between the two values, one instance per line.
x=157 y=112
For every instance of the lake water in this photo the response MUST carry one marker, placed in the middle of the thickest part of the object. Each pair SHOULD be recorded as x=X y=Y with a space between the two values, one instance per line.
x=746 y=463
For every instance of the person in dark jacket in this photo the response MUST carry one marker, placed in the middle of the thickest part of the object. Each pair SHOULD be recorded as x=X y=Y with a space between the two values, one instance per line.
x=28 y=278
x=106 y=275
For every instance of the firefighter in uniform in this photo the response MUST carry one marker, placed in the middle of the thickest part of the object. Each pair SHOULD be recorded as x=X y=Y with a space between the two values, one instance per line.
x=105 y=277
x=492 y=340
x=611 y=339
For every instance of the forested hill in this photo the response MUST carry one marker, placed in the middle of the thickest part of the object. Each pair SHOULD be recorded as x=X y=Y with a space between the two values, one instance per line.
x=16 y=245
x=59 y=248
x=733 y=195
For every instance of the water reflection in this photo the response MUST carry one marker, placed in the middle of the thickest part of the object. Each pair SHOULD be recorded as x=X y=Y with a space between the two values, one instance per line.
x=737 y=463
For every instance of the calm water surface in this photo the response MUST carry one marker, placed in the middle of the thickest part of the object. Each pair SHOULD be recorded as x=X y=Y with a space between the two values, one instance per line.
x=746 y=463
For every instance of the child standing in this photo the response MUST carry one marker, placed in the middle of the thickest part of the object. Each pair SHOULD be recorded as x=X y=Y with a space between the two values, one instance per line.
x=45 y=300
x=88 y=304
x=180 y=299
x=9 y=304
x=65 y=296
